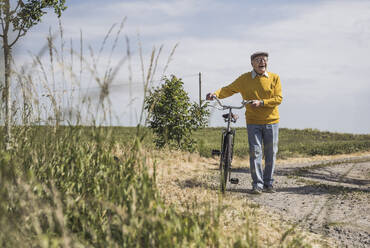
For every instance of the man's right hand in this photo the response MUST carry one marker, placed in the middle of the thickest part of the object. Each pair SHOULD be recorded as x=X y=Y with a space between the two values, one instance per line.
x=210 y=96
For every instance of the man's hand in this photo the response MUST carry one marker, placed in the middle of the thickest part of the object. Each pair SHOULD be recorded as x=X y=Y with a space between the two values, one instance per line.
x=210 y=96
x=257 y=103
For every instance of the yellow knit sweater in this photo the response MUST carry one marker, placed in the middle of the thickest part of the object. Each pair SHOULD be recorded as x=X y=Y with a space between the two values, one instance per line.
x=263 y=88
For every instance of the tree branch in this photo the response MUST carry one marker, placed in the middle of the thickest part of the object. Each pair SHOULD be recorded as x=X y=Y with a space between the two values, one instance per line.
x=18 y=36
x=2 y=25
x=6 y=9
x=18 y=4
x=16 y=8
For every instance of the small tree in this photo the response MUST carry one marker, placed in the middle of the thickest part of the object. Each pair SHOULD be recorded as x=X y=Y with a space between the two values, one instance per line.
x=172 y=117
x=19 y=19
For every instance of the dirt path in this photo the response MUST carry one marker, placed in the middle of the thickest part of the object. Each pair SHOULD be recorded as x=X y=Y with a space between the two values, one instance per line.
x=331 y=198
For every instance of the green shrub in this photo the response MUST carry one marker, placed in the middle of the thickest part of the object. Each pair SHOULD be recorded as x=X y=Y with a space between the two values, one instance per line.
x=172 y=117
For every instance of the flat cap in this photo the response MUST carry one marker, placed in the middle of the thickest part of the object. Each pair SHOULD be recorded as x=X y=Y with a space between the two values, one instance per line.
x=259 y=53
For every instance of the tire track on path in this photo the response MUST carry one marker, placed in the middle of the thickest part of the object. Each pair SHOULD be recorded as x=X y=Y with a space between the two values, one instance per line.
x=329 y=197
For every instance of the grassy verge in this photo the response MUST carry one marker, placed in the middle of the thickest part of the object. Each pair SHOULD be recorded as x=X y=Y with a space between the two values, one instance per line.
x=80 y=187
x=73 y=188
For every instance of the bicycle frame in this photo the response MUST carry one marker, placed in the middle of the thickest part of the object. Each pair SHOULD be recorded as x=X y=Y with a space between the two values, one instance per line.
x=227 y=144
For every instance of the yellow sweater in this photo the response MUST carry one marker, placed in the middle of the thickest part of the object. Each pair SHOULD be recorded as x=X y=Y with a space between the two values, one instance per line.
x=263 y=88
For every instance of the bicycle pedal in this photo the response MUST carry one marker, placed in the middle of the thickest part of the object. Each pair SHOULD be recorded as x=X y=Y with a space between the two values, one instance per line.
x=234 y=180
x=216 y=152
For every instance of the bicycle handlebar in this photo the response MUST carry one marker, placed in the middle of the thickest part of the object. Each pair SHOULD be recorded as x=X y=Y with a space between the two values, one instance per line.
x=224 y=107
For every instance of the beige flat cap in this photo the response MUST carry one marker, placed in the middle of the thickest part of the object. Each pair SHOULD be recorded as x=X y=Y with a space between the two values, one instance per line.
x=259 y=53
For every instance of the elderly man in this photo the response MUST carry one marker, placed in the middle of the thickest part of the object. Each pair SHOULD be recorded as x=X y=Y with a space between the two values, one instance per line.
x=262 y=117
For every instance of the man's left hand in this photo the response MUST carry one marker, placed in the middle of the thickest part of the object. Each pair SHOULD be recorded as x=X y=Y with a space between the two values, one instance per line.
x=257 y=103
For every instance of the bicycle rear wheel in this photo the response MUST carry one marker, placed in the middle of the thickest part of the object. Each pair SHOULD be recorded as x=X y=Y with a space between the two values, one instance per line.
x=225 y=163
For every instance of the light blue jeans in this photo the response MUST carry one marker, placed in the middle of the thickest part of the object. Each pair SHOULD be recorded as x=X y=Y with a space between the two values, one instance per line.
x=268 y=136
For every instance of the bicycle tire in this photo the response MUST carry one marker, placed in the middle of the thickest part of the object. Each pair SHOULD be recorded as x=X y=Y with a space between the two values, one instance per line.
x=226 y=157
x=222 y=148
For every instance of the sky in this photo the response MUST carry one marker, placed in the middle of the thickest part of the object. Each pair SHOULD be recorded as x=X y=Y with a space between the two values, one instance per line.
x=320 y=50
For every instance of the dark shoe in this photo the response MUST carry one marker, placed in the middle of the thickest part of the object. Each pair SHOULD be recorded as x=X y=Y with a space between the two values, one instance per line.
x=256 y=191
x=269 y=189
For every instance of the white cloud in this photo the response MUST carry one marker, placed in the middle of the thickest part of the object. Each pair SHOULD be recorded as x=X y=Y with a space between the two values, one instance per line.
x=173 y=8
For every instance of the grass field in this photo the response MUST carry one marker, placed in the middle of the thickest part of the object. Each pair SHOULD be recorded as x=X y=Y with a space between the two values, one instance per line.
x=292 y=142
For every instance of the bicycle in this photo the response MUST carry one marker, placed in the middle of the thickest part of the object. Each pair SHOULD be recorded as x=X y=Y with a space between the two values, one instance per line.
x=227 y=144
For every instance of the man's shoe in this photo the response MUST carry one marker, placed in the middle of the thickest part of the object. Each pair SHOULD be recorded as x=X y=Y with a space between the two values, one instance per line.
x=269 y=189
x=256 y=191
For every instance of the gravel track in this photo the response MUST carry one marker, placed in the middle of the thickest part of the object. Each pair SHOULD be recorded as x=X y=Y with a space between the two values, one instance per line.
x=331 y=198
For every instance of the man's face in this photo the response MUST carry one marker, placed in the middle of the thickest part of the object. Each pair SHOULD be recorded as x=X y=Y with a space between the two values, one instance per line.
x=259 y=64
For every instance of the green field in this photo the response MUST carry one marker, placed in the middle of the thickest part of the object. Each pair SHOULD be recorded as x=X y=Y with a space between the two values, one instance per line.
x=292 y=142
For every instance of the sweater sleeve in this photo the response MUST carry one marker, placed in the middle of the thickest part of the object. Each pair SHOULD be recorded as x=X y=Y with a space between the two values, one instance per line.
x=229 y=90
x=277 y=97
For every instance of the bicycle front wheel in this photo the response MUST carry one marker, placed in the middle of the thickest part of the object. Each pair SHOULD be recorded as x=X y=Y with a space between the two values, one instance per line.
x=226 y=157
